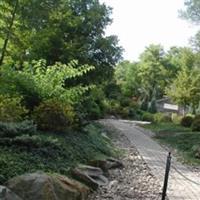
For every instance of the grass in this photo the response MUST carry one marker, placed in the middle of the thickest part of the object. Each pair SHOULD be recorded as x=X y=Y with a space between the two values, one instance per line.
x=63 y=152
x=180 y=138
x=160 y=128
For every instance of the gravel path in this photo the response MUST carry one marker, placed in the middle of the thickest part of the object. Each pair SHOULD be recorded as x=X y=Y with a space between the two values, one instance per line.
x=135 y=181
x=183 y=184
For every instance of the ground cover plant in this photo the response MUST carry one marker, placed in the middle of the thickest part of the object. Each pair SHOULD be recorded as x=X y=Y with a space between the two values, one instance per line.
x=180 y=138
x=53 y=153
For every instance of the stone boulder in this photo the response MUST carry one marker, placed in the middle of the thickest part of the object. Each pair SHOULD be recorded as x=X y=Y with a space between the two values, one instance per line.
x=7 y=194
x=40 y=186
x=92 y=176
x=108 y=164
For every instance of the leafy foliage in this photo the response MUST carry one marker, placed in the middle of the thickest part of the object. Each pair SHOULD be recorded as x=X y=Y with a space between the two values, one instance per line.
x=187 y=121
x=61 y=31
x=52 y=153
x=176 y=119
x=93 y=105
x=145 y=79
x=11 y=109
x=161 y=117
x=38 y=82
x=146 y=116
x=185 y=88
x=11 y=130
x=196 y=123
x=192 y=11
x=126 y=75
x=179 y=138
x=52 y=115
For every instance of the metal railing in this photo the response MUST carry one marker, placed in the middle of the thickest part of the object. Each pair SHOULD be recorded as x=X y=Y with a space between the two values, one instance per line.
x=166 y=178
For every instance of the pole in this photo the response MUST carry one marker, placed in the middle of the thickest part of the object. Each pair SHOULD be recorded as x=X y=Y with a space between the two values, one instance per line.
x=168 y=164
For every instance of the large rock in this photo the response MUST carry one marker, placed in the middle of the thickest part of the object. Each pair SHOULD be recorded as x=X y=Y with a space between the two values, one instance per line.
x=92 y=176
x=7 y=194
x=40 y=186
x=108 y=164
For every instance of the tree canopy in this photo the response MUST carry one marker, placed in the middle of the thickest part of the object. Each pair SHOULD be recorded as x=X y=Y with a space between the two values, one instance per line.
x=192 y=11
x=59 y=31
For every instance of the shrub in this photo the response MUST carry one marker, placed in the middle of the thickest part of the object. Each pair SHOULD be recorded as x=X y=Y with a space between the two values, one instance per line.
x=176 y=119
x=94 y=111
x=125 y=101
x=187 y=121
x=91 y=108
x=146 y=116
x=197 y=117
x=134 y=105
x=196 y=125
x=35 y=141
x=52 y=115
x=112 y=107
x=152 y=106
x=11 y=109
x=161 y=117
x=16 y=129
x=124 y=112
x=196 y=151
x=31 y=141
x=133 y=113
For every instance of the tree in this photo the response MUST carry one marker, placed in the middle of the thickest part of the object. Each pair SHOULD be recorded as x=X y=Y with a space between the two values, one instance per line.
x=179 y=57
x=64 y=30
x=195 y=42
x=152 y=72
x=126 y=75
x=185 y=89
x=147 y=78
x=192 y=11
x=7 y=21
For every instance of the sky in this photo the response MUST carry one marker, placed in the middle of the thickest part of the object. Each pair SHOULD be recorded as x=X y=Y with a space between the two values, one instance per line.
x=139 y=23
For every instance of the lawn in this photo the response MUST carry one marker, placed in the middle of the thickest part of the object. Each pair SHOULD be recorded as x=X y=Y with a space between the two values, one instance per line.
x=53 y=153
x=180 y=138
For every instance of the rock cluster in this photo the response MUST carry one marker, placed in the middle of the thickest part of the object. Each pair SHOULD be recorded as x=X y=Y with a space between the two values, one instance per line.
x=92 y=176
x=41 y=186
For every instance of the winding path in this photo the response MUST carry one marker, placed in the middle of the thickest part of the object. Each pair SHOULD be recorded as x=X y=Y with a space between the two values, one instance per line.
x=179 y=187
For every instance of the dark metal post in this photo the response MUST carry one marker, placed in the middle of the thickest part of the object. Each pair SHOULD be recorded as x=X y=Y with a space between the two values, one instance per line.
x=168 y=164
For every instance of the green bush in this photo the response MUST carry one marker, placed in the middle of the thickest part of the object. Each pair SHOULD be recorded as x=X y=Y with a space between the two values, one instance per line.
x=161 y=117
x=30 y=141
x=90 y=109
x=125 y=101
x=196 y=125
x=196 y=151
x=152 y=106
x=35 y=141
x=11 y=109
x=124 y=112
x=16 y=129
x=146 y=116
x=112 y=107
x=53 y=153
x=52 y=115
x=176 y=119
x=197 y=117
x=187 y=121
x=94 y=111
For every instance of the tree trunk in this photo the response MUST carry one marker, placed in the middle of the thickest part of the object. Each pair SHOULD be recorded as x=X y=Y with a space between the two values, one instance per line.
x=4 y=48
